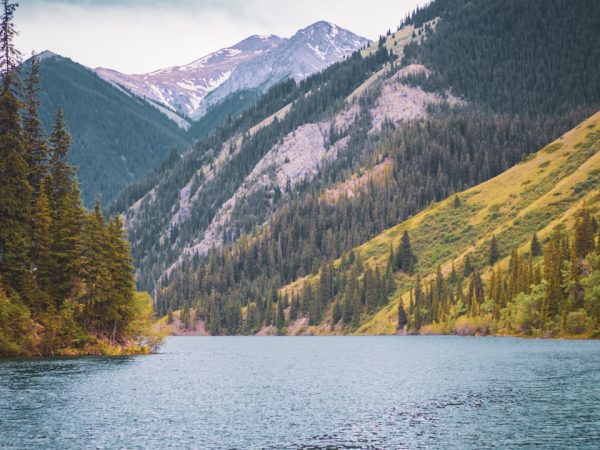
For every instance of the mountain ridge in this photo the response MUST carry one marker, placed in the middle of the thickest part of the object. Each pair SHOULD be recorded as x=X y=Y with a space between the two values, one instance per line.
x=183 y=89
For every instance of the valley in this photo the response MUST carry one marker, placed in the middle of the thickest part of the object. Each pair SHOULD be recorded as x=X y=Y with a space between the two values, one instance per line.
x=303 y=238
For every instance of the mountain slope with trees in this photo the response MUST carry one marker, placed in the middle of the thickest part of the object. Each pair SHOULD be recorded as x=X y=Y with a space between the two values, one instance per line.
x=117 y=138
x=518 y=255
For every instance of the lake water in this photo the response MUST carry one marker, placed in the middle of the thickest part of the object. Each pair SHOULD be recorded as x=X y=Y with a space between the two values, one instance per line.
x=310 y=392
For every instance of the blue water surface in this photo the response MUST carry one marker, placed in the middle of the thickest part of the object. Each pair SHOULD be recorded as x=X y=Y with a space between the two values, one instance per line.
x=310 y=392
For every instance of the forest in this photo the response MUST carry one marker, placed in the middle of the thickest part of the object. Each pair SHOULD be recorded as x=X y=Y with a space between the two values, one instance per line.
x=66 y=276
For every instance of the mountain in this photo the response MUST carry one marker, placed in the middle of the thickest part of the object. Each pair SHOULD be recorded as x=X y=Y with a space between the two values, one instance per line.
x=315 y=168
x=182 y=88
x=117 y=137
x=310 y=50
x=254 y=63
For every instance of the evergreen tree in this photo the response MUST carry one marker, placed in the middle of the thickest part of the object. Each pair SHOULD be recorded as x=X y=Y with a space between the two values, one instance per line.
x=467 y=265
x=476 y=294
x=280 y=314
x=95 y=266
x=61 y=172
x=15 y=190
x=294 y=307
x=584 y=234
x=122 y=287
x=535 y=247
x=405 y=258
x=553 y=257
x=494 y=252
x=34 y=143
x=42 y=242
x=402 y=318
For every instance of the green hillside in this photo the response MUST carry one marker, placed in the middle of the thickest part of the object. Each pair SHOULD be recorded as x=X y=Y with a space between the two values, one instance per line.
x=117 y=138
x=544 y=193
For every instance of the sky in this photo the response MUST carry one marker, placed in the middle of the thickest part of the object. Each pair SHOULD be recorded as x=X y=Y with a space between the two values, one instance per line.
x=139 y=36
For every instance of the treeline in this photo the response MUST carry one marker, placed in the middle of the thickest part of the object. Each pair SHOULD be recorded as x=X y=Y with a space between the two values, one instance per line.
x=549 y=292
x=66 y=276
x=359 y=290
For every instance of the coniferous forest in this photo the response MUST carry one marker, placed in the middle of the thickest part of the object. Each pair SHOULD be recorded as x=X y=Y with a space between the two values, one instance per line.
x=66 y=274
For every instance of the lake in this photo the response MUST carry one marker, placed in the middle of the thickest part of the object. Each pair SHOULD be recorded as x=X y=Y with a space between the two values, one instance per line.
x=310 y=392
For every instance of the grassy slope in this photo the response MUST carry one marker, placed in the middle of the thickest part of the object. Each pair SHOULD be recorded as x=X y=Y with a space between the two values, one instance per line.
x=537 y=195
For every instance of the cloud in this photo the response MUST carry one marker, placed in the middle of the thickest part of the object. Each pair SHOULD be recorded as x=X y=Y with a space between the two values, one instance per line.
x=138 y=36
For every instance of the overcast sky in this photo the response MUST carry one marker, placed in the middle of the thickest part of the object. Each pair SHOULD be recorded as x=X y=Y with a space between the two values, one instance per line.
x=138 y=36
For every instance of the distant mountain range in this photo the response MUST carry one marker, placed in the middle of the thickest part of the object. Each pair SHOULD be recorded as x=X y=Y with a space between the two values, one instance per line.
x=124 y=125
x=255 y=62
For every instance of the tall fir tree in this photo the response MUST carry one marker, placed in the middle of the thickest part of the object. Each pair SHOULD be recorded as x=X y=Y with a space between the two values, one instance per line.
x=405 y=258
x=402 y=318
x=494 y=255
x=42 y=244
x=15 y=190
x=34 y=142
x=584 y=240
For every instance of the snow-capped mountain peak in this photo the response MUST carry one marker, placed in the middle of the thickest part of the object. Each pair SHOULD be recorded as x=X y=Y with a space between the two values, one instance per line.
x=256 y=62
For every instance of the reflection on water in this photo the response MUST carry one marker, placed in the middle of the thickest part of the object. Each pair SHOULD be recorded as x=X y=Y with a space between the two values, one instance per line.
x=321 y=392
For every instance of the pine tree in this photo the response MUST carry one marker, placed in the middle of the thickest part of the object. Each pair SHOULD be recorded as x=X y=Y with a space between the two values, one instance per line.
x=476 y=294
x=350 y=297
x=467 y=265
x=457 y=202
x=584 y=241
x=294 y=307
x=67 y=225
x=95 y=267
x=535 y=246
x=402 y=318
x=280 y=314
x=61 y=172
x=388 y=281
x=494 y=252
x=405 y=258
x=553 y=257
x=34 y=143
x=15 y=190
x=122 y=286
x=67 y=219
x=417 y=318
x=42 y=241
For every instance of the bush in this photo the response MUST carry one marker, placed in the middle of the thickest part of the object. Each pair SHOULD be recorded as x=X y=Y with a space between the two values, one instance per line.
x=577 y=322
